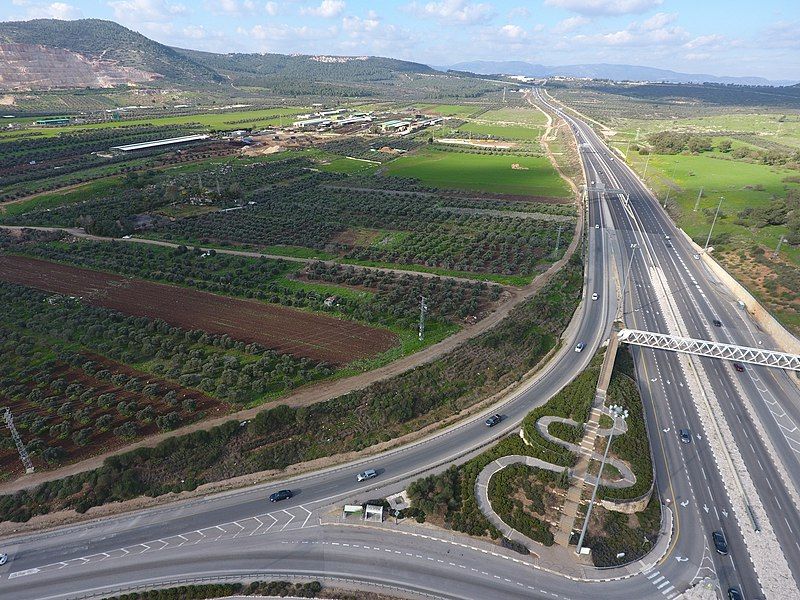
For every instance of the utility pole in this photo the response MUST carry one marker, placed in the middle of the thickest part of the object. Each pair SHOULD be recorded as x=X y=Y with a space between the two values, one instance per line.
x=634 y=247
x=708 y=239
x=558 y=240
x=697 y=203
x=617 y=412
x=423 y=308
x=23 y=454
x=778 y=247
x=646 y=164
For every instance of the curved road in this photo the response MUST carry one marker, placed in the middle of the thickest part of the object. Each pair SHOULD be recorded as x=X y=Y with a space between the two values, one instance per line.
x=238 y=531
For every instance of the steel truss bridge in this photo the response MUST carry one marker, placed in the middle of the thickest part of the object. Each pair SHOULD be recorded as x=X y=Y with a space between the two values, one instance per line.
x=756 y=356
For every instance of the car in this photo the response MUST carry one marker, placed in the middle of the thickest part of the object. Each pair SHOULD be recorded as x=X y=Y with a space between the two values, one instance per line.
x=739 y=367
x=696 y=256
x=3 y=559
x=734 y=594
x=368 y=474
x=493 y=420
x=720 y=543
x=580 y=347
x=717 y=323
x=595 y=296
x=686 y=435
x=668 y=245
x=280 y=495
x=597 y=226
x=666 y=237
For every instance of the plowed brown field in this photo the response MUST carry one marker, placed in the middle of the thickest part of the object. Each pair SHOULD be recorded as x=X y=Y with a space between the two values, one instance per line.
x=287 y=330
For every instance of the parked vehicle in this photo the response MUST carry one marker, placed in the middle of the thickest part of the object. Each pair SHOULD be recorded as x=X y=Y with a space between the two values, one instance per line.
x=281 y=495
x=368 y=474
x=493 y=420
x=720 y=543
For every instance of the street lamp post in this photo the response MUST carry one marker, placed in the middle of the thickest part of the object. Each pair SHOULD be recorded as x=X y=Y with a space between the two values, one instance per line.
x=617 y=412
x=710 y=231
x=634 y=247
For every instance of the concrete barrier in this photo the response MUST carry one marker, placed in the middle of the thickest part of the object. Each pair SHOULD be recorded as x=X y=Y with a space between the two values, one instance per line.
x=769 y=324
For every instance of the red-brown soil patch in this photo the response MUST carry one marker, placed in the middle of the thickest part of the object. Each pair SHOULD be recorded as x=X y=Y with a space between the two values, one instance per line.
x=295 y=332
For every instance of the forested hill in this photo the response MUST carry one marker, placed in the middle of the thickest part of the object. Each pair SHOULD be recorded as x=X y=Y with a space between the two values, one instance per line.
x=255 y=69
x=96 y=39
x=100 y=46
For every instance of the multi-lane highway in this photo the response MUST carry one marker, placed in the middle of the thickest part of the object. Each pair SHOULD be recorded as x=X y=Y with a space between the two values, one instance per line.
x=239 y=532
x=700 y=300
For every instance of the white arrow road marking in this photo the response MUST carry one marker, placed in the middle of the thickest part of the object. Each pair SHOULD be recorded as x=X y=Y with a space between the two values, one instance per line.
x=705 y=508
x=289 y=521
x=681 y=558
x=685 y=503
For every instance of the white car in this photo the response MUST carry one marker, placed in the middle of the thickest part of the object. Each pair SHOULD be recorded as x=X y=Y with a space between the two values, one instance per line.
x=597 y=225
x=594 y=296
x=580 y=347
x=368 y=474
x=697 y=257
x=3 y=559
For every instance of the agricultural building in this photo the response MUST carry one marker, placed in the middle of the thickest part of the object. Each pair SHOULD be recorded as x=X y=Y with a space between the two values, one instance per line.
x=53 y=121
x=311 y=123
x=394 y=125
x=161 y=143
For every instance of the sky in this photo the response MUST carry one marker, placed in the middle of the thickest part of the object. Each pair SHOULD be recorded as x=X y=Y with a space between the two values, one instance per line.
x=717 y=37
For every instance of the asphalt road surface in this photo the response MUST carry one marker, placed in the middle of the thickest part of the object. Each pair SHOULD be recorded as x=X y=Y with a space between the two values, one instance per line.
x=240 y=532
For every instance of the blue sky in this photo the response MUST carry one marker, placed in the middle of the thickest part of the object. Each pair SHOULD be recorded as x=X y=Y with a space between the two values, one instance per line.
x=702 y=36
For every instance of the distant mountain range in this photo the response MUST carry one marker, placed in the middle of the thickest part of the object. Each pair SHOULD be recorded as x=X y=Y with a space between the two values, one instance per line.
x=604 y=71
x=47 y=54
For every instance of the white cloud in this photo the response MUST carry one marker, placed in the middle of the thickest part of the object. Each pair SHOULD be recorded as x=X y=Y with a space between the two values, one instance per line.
x=194 y=32
x=605 y=7
x=136 y=11
x=703 y=41
x=327 y=9
x=520 y=12
x=357 y=25
x=637 y=35
x=271 y=8
x=514 y=33
x=659 y=20
x=459 y=11
x=55 y=10
x=781 y=34
x=570 y=24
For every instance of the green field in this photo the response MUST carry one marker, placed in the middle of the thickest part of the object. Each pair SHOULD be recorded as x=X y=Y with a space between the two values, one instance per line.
x=776 y=127
x=736 y=181
x=509 y=132
x=488 y=173
x=524 y=116
x=211 y=120
x=349 y=165
x=450 y=110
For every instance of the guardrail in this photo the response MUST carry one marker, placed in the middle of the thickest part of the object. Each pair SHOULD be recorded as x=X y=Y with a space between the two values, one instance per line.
x=244 y=578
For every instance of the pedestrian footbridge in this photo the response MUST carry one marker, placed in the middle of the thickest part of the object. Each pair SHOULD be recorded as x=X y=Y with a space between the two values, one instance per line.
x=745 y=354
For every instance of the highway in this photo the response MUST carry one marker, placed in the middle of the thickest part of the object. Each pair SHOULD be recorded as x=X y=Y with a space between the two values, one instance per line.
x=700 y=300
x=239 y=531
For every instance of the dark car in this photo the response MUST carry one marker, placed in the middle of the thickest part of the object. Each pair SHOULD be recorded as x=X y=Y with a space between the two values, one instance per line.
x=281 y=495
x=717 y=323
x=686 y=435
x=493 y=420
x=739 y=367
x=720 y=543
x=734 y=594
